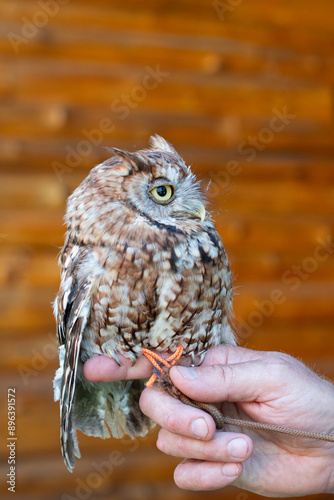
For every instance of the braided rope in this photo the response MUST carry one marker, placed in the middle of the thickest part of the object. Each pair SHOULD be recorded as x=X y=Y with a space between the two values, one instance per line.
x=165 y=383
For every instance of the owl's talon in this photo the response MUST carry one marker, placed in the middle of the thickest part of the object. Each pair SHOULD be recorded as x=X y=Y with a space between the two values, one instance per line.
x=113 y=355
x=201 y=359
x=115 y=358
x=192 y=355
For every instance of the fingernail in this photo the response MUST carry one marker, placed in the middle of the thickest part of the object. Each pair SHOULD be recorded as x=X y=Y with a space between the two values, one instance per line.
x=188 y=373
x=199 y=428
x=237 y=448
x=231 y=470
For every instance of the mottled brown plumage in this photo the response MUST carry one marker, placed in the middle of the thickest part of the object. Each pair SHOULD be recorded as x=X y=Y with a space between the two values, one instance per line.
x=142 y=266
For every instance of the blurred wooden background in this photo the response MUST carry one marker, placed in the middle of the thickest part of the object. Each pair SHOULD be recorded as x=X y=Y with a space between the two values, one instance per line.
x=244 y=90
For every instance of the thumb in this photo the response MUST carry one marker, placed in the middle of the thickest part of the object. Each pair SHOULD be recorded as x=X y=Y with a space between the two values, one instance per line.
x=237 y=382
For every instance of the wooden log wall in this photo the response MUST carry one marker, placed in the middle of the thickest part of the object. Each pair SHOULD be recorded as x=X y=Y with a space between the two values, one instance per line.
x=244 y=90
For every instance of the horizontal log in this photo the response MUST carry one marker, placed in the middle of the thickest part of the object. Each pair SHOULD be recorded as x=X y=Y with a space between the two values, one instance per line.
x=24 y=267
x=224 y=95
x=256 y=22
x=28 y=191
x=277 y=58
x=27 y=309
x=292 y=297
x=249 y=267
x=230 y=132
x=274 y=234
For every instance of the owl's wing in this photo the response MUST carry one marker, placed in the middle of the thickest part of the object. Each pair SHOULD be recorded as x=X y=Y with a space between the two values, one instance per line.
x=72 y=310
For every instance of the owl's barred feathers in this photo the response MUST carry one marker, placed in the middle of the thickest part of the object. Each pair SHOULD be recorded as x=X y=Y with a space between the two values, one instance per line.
x=136 y=272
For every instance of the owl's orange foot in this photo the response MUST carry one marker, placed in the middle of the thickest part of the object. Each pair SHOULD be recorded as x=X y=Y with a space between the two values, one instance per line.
x=155 y=359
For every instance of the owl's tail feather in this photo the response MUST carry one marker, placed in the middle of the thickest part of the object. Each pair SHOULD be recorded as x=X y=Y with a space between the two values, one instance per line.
x=110 y=409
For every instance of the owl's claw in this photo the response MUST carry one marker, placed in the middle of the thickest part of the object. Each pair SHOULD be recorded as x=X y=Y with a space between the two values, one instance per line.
x=111 y=353
x=115 y=358
x=192 y=355
x=201 y=359
x=134 y=361
x=193 y=358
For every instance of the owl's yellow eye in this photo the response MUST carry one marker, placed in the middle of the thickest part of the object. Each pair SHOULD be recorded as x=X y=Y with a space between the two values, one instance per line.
x=162 y=193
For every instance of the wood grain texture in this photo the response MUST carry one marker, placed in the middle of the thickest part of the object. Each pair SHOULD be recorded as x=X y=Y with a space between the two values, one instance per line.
x=248 y=100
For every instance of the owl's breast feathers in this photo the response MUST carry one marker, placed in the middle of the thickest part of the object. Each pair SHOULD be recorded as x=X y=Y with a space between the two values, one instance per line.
x=152 y=295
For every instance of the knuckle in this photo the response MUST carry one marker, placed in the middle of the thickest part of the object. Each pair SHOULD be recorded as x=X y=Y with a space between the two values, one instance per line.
x=214 y=450
x=208 y=451
x=280 y=362
x=221 y=375
x=218 y=373
x=280 y=357
x=172 y=422
x=224 y=371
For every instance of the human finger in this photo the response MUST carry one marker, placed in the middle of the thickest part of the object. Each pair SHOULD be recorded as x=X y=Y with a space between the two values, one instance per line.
x=238 y=382
x=200 y=475
x=105 y=369
x=176 y=417
x=224 y=447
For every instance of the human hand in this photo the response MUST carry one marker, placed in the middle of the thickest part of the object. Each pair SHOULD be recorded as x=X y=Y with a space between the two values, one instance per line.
x=264 y=386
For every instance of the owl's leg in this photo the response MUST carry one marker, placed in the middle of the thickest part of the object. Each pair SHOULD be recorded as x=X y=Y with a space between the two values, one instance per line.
x=155 y=359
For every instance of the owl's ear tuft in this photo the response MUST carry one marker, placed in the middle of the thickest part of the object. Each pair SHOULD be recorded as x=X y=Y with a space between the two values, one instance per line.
x=135 y=161
x=158 y=143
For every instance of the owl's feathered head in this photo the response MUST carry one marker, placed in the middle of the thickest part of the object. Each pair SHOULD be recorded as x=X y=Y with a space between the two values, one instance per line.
x=151 y=188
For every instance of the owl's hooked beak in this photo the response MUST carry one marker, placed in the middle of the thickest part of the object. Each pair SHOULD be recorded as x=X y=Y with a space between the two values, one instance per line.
x=190 y=210
x=199 y=211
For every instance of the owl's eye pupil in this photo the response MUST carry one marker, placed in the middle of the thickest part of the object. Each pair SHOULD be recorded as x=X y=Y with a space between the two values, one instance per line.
x=162 y=191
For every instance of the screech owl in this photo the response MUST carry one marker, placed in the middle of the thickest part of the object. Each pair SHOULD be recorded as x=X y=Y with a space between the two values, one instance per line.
x=142 y=267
